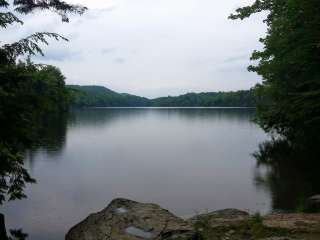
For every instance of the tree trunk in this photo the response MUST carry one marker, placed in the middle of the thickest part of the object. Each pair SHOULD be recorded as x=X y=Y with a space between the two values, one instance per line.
x=3 y=232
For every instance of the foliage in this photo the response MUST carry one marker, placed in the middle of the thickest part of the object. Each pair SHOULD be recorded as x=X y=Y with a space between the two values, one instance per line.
x=58 y=6
x=29 y=45
x=289 y=65
x=210 y=99
x=27 y=93
x=289 y=172
x=97 y=96
x=17 y=235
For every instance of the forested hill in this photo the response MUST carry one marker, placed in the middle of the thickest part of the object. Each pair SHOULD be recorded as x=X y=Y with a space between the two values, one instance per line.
x=98 y=96
x=243 y=98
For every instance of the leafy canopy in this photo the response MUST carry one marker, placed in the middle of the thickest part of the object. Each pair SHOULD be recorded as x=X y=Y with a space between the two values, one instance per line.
x=289 y=65
x=27 y=92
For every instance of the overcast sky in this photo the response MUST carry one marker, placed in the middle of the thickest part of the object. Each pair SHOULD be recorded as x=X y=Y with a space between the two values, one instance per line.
x=152 y=47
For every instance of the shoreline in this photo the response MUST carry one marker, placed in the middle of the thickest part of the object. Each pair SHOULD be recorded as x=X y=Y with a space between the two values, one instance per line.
x=171 y=107
x=125 y=219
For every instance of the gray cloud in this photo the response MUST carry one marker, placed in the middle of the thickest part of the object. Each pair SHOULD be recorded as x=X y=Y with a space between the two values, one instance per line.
x=59 y=56
x=174 y=46
x=119 y=60
x=108 y=50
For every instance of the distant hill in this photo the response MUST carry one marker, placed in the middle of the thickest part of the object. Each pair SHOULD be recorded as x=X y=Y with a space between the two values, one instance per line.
x=244 y=98
x=98 y=96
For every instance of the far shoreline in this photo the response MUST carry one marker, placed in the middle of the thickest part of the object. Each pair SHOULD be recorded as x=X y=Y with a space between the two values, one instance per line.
x=168 y=108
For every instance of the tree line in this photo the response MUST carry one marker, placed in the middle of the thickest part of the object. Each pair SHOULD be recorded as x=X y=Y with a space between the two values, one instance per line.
x=98 y=96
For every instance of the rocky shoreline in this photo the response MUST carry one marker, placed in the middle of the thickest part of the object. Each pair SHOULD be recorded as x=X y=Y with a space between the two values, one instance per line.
x=125 y=219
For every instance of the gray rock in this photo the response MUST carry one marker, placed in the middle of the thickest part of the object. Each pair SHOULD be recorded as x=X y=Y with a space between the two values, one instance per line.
x=297 y=222
x=225 y=217
x=130 y=220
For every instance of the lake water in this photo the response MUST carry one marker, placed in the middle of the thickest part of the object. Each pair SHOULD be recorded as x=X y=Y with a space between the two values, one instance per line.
x=186 y=160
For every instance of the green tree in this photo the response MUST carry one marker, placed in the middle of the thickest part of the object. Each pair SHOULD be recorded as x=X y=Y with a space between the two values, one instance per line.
x=27 y=92
x=290 y=67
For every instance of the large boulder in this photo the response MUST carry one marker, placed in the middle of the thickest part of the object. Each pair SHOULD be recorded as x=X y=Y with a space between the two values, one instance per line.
x=130 y=220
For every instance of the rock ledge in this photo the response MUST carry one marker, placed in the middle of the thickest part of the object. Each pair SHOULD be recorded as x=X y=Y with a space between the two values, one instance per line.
x=130 y=220
x=125 y=219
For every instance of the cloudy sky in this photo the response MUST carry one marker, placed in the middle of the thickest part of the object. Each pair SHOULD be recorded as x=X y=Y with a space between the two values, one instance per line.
x=151 y=47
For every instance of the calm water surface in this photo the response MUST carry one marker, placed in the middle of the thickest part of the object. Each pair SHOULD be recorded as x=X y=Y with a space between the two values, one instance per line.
x=186 y=160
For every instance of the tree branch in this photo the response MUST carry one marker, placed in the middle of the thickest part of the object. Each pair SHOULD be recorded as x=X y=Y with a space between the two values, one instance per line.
x=7 y=18
x=29 y=45
x=58 y=6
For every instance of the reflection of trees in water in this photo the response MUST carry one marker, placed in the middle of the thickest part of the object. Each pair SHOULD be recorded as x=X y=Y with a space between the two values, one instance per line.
x=53 y=134
x=289 y=172
x=233 y=114
x=51 y=137
x=103 y=116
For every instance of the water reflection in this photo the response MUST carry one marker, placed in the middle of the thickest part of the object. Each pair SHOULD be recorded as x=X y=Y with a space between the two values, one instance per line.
x=289 y=172
x=104 y=116
x=51 y=138
x=186 y=160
